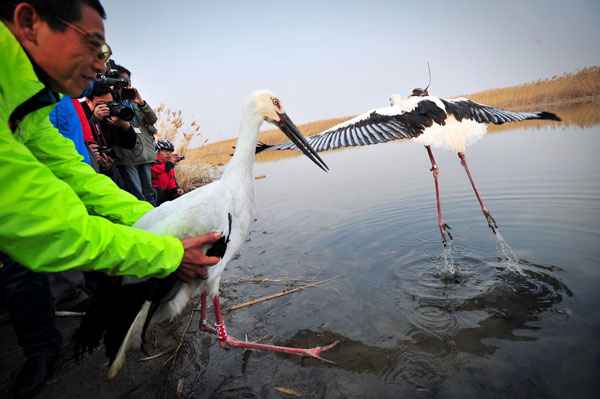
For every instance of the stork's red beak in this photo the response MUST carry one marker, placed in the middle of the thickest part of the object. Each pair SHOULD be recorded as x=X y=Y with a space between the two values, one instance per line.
x=289 y=128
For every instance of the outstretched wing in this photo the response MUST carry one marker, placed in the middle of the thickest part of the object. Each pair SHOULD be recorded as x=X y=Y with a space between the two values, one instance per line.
x=463 y=108
x=372 y=127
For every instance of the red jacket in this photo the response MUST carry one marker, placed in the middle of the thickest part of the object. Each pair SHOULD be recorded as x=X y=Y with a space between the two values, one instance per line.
x=85 y=125
x=163 y=175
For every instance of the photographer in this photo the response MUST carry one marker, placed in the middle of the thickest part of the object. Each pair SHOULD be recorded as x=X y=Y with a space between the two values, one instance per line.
x=134 y=165
x=163 y=173
x=109 y=130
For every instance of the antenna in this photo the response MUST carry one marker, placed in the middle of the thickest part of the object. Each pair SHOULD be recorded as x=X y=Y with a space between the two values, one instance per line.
x=429 y=69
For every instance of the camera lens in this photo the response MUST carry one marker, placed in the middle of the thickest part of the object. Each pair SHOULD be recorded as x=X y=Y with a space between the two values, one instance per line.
x=120 y=111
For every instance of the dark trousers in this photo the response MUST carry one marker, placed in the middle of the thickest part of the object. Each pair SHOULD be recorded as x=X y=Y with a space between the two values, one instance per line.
x=31 y=308
x=138 y=181
x=163 y=195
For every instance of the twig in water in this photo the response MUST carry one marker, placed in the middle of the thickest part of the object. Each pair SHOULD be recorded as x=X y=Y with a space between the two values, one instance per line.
x=180 y=387
x=282 y=293
x=181 y=340
x=159 y=354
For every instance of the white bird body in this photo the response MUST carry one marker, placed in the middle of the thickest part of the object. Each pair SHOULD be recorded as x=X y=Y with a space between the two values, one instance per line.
x=206 y=210
x=226 y=206
x=454 y=135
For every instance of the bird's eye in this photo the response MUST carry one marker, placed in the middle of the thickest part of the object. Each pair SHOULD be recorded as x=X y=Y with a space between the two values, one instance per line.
x=276 y=102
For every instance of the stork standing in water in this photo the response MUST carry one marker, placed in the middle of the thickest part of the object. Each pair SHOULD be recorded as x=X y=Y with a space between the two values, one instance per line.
x=125 y=308
x=451 y=124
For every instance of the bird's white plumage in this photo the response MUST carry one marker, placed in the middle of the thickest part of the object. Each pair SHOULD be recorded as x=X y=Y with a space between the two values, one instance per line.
x=207 y=210
x=225 y=206
x=454 y=135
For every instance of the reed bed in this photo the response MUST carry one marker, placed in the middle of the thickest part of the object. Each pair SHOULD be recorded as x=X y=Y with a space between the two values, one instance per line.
x=581 y=85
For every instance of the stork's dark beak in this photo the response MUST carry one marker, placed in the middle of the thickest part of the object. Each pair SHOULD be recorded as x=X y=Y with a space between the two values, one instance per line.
x=289 y=128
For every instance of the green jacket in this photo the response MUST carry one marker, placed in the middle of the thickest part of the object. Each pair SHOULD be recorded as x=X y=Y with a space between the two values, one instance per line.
x=144 y=151
x=56 y=213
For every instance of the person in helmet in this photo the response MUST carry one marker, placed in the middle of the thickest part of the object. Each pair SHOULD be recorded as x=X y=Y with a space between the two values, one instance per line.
x=163 y=173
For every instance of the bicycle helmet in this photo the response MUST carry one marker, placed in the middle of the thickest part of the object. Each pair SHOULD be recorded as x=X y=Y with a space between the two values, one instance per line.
x=164 y=145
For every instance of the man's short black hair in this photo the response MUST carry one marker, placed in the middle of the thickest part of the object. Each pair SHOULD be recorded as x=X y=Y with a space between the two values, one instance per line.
x=99 y=89
x=123 y=70
x=48 y=10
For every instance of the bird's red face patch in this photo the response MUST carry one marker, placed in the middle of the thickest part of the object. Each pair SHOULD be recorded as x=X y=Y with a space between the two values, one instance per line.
x=276 y=102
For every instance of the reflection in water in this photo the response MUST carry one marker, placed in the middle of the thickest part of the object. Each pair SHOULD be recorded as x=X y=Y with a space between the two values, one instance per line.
x=438 y=343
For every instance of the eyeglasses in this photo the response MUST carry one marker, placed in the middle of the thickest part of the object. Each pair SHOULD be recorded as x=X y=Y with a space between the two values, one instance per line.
x=105 y=51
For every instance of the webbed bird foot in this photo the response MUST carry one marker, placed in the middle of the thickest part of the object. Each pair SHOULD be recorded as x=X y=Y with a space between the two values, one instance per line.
x=444 y=229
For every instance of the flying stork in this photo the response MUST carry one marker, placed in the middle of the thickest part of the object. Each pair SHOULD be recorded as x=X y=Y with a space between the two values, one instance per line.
x=124 y=309
x=451 y=124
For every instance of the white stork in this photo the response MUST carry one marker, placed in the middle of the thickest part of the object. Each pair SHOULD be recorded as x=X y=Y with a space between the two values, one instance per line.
x=451 y=124
x=124 y=309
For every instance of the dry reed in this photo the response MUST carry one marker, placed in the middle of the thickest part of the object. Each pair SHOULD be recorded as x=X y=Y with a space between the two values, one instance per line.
x=584 y=84
x=191 y=172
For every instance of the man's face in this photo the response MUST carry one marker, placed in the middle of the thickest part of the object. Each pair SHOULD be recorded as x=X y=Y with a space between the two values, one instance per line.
x=70 y=58
x=165 y=155
x=104 y=99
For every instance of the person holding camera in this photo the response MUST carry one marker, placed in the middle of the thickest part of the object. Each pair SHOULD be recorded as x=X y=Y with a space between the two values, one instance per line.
x=163 y=173
x=57 y=213
x=110 y=131
x=134 y=164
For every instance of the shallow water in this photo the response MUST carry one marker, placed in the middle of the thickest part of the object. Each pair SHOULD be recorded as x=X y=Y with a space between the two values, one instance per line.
x=512 y=315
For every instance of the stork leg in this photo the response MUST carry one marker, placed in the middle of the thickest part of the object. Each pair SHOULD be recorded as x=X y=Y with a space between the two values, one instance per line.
x=488 y=216
x=228 y=341
x=442 y=225
x=204 y=326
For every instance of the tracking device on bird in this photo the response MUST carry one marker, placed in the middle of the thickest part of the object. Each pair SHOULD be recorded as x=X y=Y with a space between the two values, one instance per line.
x=422 y=92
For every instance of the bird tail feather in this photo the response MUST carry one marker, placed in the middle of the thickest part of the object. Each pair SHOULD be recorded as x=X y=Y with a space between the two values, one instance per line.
x=133 y=334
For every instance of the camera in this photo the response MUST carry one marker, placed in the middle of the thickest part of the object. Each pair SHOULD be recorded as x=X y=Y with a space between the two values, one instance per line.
x=120 y=111
x=181 y=156
x=120 y=92
x=108 y=151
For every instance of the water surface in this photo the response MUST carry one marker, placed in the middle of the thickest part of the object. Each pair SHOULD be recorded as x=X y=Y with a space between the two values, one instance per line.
x=484 y=317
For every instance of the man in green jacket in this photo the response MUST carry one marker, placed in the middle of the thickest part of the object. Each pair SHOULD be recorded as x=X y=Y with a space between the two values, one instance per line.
x=56 y=213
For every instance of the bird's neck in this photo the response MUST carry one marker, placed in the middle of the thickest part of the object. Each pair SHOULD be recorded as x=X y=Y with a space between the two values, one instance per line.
x=242 y=162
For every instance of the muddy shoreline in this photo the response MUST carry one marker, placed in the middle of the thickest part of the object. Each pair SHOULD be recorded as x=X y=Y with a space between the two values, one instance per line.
x=155 y=378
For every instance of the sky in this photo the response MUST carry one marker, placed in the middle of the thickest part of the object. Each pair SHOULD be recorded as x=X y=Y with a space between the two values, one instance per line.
x=327 y=59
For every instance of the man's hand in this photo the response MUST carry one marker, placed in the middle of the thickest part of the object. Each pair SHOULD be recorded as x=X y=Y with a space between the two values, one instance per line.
x=138 y=97
x=194 y=262
x=105 y=162
x=114 y=121
x=101 y=111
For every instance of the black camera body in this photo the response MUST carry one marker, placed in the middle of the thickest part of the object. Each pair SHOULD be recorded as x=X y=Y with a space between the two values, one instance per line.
x=120 y=92
x=120 y=111
x=108 y=151
x=181 y=157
